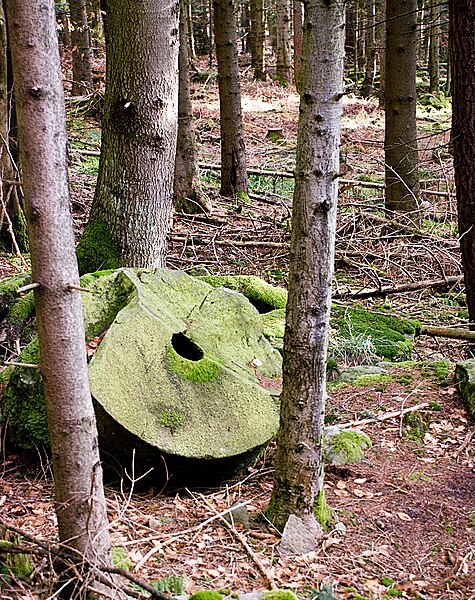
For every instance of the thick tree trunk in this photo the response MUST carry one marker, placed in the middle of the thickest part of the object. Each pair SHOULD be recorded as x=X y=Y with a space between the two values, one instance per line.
x=298 y=481
x=298 y=34
x=79 y=495
x=434 y=46
x=257 y=39
x=81 y=48
x=187 y=193
x=283 y=71
x=131 y=211
x=462 y=53
x=233 y=152
x=367 y=88
x=400 y=144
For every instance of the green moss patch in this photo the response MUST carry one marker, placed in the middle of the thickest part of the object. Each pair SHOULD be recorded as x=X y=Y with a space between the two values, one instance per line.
x=96 y=249
x=323 y=511
x=199 y=371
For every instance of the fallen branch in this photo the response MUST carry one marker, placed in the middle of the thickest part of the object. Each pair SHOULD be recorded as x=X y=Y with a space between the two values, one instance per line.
x=243 y=541
x=448 y=332
x=398 y=289
x=385 y=416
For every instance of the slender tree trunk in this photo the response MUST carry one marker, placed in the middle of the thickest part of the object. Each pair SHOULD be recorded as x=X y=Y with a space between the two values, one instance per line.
x=81 y=48
x=367 y=89
x=298 y=34
x=64 y=32
x=381 y=42
x=79 y=494
x=401 y=156
x=257 y=39
x=298 y=481
x=233 y=152
x=187 y=193
x=284 y=62
x=434 y=46
x=462 y=53
x=190 y=32
x=94 y=20
x=132 y=207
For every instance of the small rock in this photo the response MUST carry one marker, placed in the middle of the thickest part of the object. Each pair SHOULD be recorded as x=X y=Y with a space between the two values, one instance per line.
x=299 y=537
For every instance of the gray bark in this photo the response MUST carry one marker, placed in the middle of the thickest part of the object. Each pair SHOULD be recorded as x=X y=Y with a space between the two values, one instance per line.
x=370 y=48
x=298 y=480
x=381 y=43
x=187 y=193
x=79 y=496
x=132 y=207
x=81 y=48
x=233 y=152
x=400 y=144
x=298 y=32
x=257 y=39
x=434 y=46
x=283 y=51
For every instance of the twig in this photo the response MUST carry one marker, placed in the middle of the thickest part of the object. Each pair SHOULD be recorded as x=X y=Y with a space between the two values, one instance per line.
x=385 y=416
x=12 y=363
x=465 y=443
x=28 y=287
x=243 y=541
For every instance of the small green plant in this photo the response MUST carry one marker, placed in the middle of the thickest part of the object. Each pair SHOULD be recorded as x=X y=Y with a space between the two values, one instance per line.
x=393 y=593
x=387 y=581
x=121 y=558
x=171 y=420
x=173 y=585
x=471 y=521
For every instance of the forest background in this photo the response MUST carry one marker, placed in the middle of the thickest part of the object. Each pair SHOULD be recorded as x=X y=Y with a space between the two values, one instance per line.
x=373 y=250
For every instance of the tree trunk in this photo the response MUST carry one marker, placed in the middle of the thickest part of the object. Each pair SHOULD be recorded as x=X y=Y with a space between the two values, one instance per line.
x=79 y=495
x=400 y=144
x=94 y=20
x=187 y=193
x=283 y=72
x=381 y=42
x=257 y=39
x=298 y=482
x=64 y=32
x=131 y=211
x=81 y=48
x=189 y=28
x=298 y=33
x=367 y=88
x=462 y=54
x=434 y=46
x=13 y=232
x=233 y=153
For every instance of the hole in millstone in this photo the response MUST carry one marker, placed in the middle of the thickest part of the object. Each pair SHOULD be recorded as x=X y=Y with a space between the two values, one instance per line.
x=262 y=306
x=186 y=347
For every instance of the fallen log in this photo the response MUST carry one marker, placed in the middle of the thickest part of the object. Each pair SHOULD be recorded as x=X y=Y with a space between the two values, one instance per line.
x=454 y=333
x=398 y=289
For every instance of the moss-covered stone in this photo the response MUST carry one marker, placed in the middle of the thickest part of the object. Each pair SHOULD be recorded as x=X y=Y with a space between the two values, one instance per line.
x=465 y=380
x=9 y=291
x=96 y=249
x=393 y=337
x=264 y=296
x=23 y=402
x=346 y=446
x=206 y=595
x=279 y=595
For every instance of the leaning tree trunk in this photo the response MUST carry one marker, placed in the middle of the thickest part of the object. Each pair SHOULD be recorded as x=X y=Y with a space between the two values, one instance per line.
x=79 y=495
x=131 y=211
x=462 y=54
x=298 y=481
x=233 y=152
x=81 y=48
x=434 y=46
x=187 y=193
x=283 y=71
x=257 y=39
x=400 y=144
x=367 y=87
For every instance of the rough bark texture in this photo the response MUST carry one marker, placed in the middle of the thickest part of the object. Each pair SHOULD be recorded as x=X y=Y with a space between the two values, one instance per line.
x=131 y=211
x=257 y=39
x=187 y=193
x=299 y=471
x=462 y=53
x=81 y=48
x=94 y=20
x=283 y=71
x=367 y=87
x=79 y=496
x=298 y=33
x=434 y=46
x=400 y=144
x=233 y=152
x=381 y=44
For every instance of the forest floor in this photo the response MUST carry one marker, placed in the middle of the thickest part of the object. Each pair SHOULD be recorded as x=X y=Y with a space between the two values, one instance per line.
x=408 y=508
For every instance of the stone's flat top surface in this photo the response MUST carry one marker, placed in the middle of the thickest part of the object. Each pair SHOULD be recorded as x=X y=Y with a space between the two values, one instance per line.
x=184 y=366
